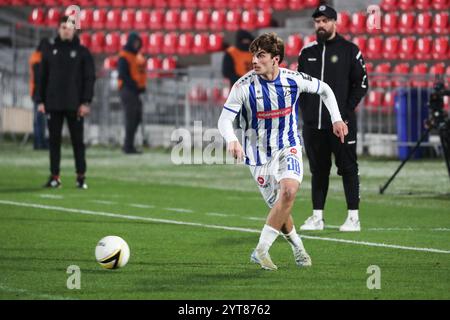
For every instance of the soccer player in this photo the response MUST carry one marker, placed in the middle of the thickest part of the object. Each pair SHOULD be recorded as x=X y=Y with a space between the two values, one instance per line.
x=267 y=97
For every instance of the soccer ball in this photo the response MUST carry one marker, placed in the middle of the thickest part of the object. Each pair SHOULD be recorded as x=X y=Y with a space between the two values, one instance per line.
x=112 y=252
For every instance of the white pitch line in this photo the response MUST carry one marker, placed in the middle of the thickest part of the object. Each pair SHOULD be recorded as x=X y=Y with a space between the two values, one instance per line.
x=33 y=294
x=104 y=202
x=50 y=196
x=130 y=217
x=255 y=218
x=219 y=214
x=142 y=206
x=179 y=210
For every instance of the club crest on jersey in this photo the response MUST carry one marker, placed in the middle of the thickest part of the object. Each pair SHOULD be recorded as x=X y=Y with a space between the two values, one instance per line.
x=293 y=151
x=261 y=180
x=334 y=58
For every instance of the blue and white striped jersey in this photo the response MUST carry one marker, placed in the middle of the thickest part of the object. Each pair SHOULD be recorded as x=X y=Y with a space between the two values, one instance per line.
x=269 y=111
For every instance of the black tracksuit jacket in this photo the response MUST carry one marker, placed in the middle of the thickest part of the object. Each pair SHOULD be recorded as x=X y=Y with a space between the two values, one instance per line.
x=340 y=64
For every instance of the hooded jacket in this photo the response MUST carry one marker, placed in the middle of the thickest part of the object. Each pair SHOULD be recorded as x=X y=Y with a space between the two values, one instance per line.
x=131 y=66
x=67 y=76
x=237 y=60
x=340 y=64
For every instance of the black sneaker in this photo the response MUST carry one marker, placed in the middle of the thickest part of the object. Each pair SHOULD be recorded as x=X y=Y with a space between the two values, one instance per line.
x=53 y=182
x=81 y=184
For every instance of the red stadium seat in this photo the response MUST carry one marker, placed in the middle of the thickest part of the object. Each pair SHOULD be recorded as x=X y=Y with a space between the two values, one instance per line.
x=52 y=17
x=156 y=42
x=400 y=72
x=110 y=63
x=423 y=23
x=369 y=68
x=249 y=20
x=264 y=19
x=388 y=102
x=440 y=4
x=112 y=42
x=390 y=23
x=175 y=4
x=423 y=4
x=156 y=19
x=169 y=63
x=141 y=19
x=145 y=41
x=154 y=63
x=185 y=43
x=202 y=20
x=98 y=19
x=172 y=19
x=85 y=39
x=296 y=4
x=423 y=48
x=358 y=23
x=280 y=4
x=192 y=4
x=407 y=23
x=86 y=18
x=406 y=5
x=343 y=22
x=217 y=21
x=127 y=19
x=113 y=19
x=361 y=42
x=205 y=4
x=374 y=100
x=123 y=39
x=187 y=18
x=233 y=20
x=407 y=48
x=382 y=78
x=97 y=42
x=132 y=3
x=170 y=43
x=201 y=42
x=102 y=3
x=37 y=16
x=374 y=47
x=420 y=70
x=441 y=48
x=438 y=68
x=264 y=4
x=440 y=23
x=308 y=39
x=311 y=3
x=117 y=3
x=293 y=45
x=391 y=46
x=215 y=42
x=146 y=3
x=388 y=5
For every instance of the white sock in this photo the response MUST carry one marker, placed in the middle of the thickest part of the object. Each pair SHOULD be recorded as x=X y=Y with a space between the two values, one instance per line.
x=318 y=214
x=294 y=240
x=353 y=214
x=267 y=238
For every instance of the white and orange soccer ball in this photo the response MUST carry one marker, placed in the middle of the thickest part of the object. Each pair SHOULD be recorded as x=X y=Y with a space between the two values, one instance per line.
x=112 y=252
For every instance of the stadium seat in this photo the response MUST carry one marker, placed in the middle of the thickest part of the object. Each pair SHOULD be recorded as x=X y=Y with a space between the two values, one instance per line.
x=381 y=78
x=441 y=48
x=249 y=20
x=113 y=19
x=406 y=5
x=102 y=3
x=374 y=48
x=440 y=4
x=220 y=4
x=423 y=4
x=146 y=3
x=117 y=3
x=154 y=63
x=390 y=23
x=361 y=42
x=423 y=23
x=185 y=43
x=175 y=4
x=343 y=22
x=86 y=18
x=296 y=4
x=141 y=19
x=388 y=5
x=311 y=3
x=420 y=72
x=280 y=4
x=187 y=18
x=423 y=48
x=85 y=39
x=171 y=19
x=97 y=42
x=440 y=23
x=388 y=102
x=201 y=42
x=264 y=19
x=233 y=20
x=98 y=19
x=308 y=39
x=400 y=71
x=293 y=45
x=37 y=16
x=156 y=42
x=110 y=63
x=217 y=20
x=436 y=71
x=406 y=24
x=374 y=101
x=170 y=43
x=191 y=4
x=145 y=41
x=358 y=23
x=391 y=46
x=202 y=19
x=123 y=39
x=264 y=4
x=112 y=42
x=156 y=19
x=158 y=4
x=133 y=3
x=369 y=68
x=205 y=4
x=127 y=19
x=215 y=42
x=407 y=48
x=52 y=17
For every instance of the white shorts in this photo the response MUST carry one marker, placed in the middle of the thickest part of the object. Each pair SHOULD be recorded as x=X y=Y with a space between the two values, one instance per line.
x=285 y=164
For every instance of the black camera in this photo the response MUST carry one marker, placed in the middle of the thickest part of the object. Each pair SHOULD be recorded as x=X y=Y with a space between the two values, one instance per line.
x=438 y=116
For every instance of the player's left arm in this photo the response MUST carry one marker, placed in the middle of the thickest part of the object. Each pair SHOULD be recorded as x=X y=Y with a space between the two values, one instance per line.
x=359 y=83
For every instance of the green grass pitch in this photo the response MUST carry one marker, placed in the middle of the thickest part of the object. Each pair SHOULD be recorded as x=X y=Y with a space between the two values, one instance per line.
x=191 y=229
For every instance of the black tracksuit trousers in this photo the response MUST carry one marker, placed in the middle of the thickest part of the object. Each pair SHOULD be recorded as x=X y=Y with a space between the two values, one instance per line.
x=319 y=145
x=55 y=122
x=132 y=105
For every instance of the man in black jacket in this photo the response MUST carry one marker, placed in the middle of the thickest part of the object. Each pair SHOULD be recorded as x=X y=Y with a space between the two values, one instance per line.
x=340 y=64
x=66 y=89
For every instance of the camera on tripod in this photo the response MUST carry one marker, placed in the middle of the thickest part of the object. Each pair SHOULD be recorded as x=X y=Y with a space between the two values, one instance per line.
x=438 y=116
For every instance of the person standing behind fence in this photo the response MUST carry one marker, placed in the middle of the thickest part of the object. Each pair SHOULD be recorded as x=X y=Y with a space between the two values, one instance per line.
x=340 y=64
x=66 y=89
x=132 y=82
x=39 y=140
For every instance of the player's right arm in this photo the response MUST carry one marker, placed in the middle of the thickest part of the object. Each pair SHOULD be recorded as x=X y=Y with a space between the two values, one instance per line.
x=225 y=123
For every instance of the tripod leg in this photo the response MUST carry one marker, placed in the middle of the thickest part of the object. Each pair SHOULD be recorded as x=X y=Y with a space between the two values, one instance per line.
x=444 y=134
x=424 y=135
